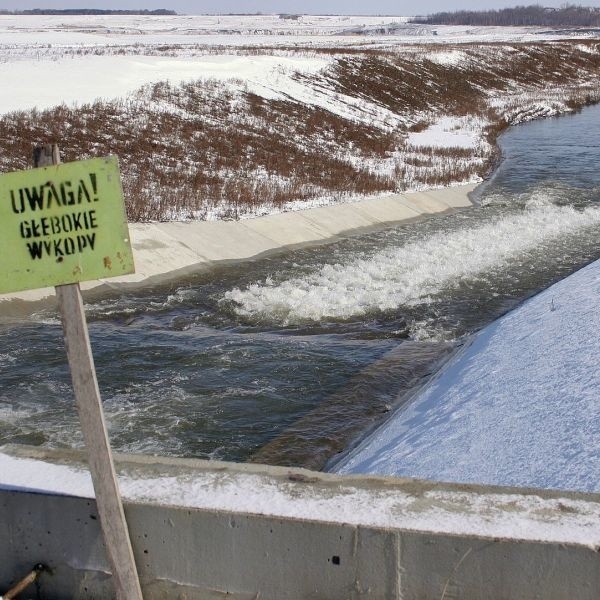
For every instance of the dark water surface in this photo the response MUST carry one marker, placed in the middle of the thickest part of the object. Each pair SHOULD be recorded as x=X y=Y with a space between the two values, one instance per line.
x=290 y=358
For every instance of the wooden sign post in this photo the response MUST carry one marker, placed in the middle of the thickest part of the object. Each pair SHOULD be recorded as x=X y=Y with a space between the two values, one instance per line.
x=62 y=224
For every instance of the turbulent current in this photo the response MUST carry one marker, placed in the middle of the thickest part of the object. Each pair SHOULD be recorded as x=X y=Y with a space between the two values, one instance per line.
x=418 y=271
x=291 y=359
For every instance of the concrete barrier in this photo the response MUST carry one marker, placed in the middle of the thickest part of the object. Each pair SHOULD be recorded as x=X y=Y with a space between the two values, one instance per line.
x=164 y=251
x=209 y=530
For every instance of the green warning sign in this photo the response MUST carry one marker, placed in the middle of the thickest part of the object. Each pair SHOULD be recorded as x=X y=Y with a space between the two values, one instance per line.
x=63 y=224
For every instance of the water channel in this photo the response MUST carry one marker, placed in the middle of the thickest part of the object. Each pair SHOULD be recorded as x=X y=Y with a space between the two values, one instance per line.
x=291 y=358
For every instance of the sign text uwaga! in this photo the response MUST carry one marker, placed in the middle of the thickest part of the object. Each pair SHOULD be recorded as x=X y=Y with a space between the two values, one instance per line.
x=63 y=224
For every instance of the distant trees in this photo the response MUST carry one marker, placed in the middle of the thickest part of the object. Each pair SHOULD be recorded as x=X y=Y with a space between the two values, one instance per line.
x=568 y=15
x=87 y=11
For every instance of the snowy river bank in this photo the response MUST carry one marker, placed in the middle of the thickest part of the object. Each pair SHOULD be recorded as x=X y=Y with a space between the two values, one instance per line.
x=518 y=406
x=283 y=353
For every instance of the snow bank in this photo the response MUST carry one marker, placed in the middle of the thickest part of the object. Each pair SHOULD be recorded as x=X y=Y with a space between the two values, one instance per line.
x=82 y=80
x=518 y=407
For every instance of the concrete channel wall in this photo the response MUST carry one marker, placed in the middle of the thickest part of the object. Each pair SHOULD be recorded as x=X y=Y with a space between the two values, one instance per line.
x=166 y=251
x=209 y=530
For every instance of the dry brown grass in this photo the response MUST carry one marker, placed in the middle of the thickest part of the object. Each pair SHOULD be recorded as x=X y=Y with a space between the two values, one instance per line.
x=174 y=162
x=186 y=149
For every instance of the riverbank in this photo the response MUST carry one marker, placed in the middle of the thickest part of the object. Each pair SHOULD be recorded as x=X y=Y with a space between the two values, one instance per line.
x=544 y=371
x=167 y=251
x=209 y=134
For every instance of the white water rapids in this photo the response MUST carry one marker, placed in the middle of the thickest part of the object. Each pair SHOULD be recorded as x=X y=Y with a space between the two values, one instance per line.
x=290 y=358
x=411 y=274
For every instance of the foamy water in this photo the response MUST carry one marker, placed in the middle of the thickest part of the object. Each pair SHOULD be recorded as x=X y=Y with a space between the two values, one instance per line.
x=301 y=353
x=414 y=273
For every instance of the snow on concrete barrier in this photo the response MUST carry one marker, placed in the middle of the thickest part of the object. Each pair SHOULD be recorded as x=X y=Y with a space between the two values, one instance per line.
x=209 y=529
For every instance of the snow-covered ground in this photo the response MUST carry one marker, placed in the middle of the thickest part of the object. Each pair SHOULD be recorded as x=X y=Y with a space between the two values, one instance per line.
x=448 y=132
x=252 y=30
x=519 y=406
x=46 y=61
x=79 y=80
x=493 y=513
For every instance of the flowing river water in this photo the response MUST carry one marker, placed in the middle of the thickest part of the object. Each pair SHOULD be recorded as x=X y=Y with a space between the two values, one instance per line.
x=290 y=359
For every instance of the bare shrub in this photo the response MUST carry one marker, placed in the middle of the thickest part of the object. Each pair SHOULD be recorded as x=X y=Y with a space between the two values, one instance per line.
x=189 y=150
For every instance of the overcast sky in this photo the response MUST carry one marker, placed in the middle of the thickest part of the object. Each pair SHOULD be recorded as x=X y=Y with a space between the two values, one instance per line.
x=390 y=7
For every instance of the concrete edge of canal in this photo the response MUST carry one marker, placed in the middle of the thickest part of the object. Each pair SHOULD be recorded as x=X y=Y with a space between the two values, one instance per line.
x=170 y=250
x=212 y=530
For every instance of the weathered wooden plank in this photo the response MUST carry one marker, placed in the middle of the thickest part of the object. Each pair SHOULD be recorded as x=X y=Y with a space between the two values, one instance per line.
x=93 y=426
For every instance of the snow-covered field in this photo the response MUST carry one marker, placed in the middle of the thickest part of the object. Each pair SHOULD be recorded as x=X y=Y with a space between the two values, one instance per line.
x=254 y=30
x=79 y=80
x=42 y=57
x=517 y=407
x=46 y=60
x=296 y=83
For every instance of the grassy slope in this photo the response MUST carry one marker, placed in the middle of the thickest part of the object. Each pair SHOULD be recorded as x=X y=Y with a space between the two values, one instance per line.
x=206 y=147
